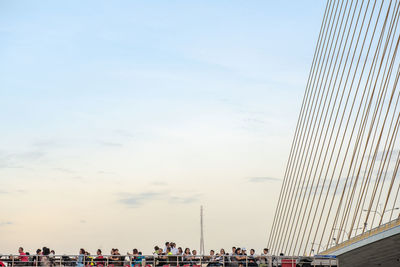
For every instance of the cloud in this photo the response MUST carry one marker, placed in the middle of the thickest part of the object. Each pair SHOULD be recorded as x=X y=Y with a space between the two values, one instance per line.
x=159 y=183
x=15 y=160
x=110 y=144
x=185 y=199
x=262 y=179
x=124 y=133
x=6 y=223
x=65 y=170
x=3 y=192
x=136 y=200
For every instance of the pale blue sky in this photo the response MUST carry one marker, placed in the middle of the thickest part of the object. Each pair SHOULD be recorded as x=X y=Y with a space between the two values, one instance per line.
x=153 y=105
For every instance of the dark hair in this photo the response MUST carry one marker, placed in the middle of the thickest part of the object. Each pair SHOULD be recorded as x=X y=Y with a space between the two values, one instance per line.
x=46 y=251
x=82 y=251
x=21 y=248
x=166 y=243
x=156 y=248
x=99 y=250
x=135 y=251
x=38 y=251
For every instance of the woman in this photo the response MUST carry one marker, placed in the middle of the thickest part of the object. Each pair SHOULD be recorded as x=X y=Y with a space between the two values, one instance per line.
x=45 y=261
x=187 y=257
x=221 y=258
x=99 y=260
x=80 y=259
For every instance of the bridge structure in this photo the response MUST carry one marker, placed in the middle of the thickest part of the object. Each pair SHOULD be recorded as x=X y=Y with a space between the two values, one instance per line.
x=340 y=192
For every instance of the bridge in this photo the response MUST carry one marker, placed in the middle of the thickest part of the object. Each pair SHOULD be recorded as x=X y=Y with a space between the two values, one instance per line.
x=341 y=185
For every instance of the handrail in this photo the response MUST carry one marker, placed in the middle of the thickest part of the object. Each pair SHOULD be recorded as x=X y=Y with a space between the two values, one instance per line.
x=164 y=260
x=362 y=236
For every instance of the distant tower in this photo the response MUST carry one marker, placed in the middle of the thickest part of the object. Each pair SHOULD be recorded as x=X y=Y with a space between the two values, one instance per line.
x=201 y=232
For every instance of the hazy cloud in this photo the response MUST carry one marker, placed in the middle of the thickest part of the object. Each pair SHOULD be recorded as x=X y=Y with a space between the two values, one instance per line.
x=159 y=183
x=111 y=144
x=124 y=133
x=262 y=179
x=65 y=170
x=185 y=199
x=16 y=160
x=135 y=200
x=5 y=223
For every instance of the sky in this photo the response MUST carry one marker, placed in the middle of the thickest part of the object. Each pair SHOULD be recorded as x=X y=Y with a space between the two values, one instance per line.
x=119 y=119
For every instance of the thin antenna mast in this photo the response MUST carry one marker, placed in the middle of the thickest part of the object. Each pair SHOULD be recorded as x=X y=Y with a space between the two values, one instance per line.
x=201 y=232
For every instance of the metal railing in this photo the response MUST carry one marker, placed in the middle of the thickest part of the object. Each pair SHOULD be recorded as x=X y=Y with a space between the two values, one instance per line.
x=167 y=261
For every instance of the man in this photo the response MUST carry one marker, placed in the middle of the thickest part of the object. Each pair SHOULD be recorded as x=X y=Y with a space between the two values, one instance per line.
x=265 y=258
x=22 y=255
x=232 y=254
x=167 y=245
x=252 y=259
x=174 y=250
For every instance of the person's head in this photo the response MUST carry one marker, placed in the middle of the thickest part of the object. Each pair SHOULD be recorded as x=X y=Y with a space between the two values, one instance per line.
x=81 y=251
x=140 y=253
x=98 y=252
x=233 y=249
x=266 y=250
x=167 y=244
x=194 y=252
x=135 y=251
x=38 y=251
x=222 y=251
x=180 y=251
x=281 y=254
x=156 y=248
x=160 y=251
x=212 y=252
x=187 y=251
x=46 y=251
x=243 y=250
x=52 y=252
x=238 y=251
x=252 y=251
x=20 y=249
x=116 y=251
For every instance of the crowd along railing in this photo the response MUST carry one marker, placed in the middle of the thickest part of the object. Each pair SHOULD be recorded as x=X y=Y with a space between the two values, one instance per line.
x=166 y=261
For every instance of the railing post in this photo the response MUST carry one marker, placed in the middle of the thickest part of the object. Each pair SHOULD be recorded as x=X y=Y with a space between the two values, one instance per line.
x=246 y=262
x=12 y=261
x=107 y=261
x=223 y=260
x=60 y=261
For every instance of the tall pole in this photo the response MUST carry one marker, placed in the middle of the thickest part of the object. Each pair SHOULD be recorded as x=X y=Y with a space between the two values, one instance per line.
x=201 y=232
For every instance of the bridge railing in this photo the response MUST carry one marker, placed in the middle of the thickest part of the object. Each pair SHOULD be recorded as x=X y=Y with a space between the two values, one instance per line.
x=366 y=234
x=166 y=261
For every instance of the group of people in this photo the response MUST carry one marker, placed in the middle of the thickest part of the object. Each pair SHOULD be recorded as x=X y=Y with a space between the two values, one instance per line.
x=170 y=255
x=43 y=257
